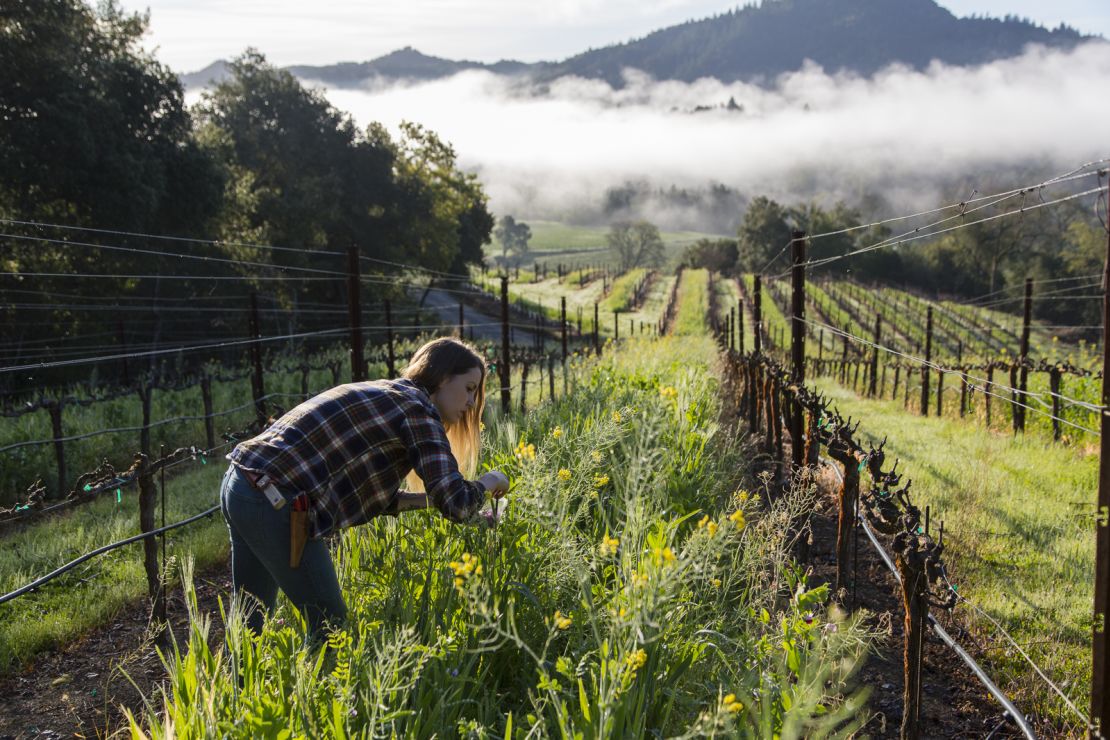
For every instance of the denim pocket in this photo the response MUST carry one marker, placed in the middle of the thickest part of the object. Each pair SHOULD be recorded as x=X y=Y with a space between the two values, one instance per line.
x=237 y=488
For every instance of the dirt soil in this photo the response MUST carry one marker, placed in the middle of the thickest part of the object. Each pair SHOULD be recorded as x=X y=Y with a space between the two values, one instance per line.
x=79 y=690
x=954 y=703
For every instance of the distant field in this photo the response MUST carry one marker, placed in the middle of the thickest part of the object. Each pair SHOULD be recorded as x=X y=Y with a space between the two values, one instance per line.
x=550 y=238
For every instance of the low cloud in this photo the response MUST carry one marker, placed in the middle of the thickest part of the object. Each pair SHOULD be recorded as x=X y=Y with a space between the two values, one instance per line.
x=554 y=150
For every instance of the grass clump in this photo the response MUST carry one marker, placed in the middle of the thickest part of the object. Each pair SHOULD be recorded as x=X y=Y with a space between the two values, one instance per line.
x=631 y=589
x=1018 y=536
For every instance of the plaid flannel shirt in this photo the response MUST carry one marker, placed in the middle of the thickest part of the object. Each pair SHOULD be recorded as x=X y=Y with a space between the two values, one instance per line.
x=350 y=448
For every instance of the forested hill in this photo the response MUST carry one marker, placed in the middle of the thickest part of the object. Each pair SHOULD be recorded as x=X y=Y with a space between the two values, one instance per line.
x=755 y=43
x=862 y=36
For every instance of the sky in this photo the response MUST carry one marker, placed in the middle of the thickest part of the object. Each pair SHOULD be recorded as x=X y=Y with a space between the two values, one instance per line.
x=189 y=34
x=907 y=135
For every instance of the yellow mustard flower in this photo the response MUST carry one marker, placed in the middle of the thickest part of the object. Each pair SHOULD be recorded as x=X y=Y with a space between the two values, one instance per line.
x=731 y=704
x=557 y=432
x=664 y=554
x=716 y=582
x=608 y=545
x=596 y=456
x=600 y=481
x=636 y=660
x=711 y=528
x=564 y=474
x=562 y=622
x=525 y=451
x=737 y=518
x=463 y=569
x=616 y=417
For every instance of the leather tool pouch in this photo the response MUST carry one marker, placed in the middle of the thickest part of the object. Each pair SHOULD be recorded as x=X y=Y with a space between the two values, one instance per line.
x=298 y=530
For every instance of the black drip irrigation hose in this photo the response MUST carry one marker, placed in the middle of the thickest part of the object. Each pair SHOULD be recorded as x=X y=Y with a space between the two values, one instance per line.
x=1011 y=710
x=100 y=551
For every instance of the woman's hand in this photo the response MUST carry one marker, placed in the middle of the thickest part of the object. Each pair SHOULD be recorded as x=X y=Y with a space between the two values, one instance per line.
x=495 y=482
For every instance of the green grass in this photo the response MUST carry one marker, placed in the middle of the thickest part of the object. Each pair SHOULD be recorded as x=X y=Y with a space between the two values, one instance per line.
x=96 y=591
x=1019 y=531
x=577 y=246
x=693 y=303
x=621 y=596
x=622 y=291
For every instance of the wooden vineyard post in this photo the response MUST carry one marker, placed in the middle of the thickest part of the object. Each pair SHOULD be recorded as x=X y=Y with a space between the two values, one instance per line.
x=798 y=347
x=55 y=410
x=910 y=562
x=616 y=326
x=987 y=392
x=354 y=316
x=209 y=422
x=769 y=410
x=963 y=394
x=928 y=359
x=1054 y=385
x=873 y=389
x=755 y=393
x=503 y=367
x=844 y=361
x=848 y=502
x=757 y=314
x=897 y=372
x=257 y=388
x=597 y=335
x=1019 y=411
x=147 y=504
x=732 y=329
x=1100 y=674
x=1014 y=408
x=740 y=327
x=563 y=324
x=940 y=392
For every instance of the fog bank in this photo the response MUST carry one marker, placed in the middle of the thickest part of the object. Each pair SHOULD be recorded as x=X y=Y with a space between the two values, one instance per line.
x=554 y=151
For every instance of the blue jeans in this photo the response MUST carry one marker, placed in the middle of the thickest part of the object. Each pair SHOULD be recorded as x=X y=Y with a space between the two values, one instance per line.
x=260 y=559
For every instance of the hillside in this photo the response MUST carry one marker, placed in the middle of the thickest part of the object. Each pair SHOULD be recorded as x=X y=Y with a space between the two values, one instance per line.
x=755 y=44
x=861 y=36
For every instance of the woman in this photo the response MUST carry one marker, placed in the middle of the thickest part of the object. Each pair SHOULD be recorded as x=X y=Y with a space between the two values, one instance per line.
x=338 y=460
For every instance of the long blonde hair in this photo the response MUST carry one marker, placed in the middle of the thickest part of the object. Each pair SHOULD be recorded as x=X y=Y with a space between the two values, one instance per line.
x=432 y=364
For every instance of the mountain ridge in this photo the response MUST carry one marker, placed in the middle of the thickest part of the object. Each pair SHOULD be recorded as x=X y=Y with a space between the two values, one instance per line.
x=756 y=43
